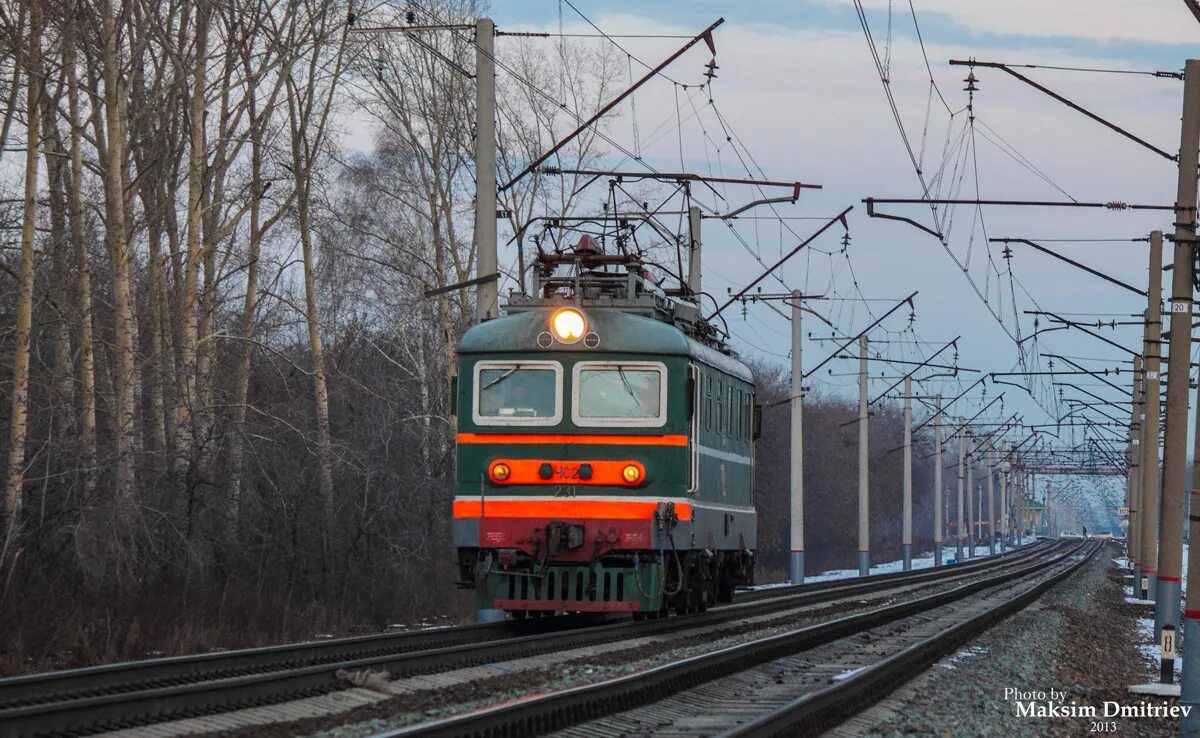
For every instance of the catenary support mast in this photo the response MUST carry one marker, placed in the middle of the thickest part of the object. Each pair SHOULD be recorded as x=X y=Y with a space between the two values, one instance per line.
x=796 y=561
x=1170 y=549
x=937 y=481
x=906 y=540
x=486 y=296
x=864 y=529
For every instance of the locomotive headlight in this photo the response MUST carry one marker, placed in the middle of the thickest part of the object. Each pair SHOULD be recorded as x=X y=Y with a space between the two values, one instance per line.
x=501 y=471
x=632 y=474
x=569 y=325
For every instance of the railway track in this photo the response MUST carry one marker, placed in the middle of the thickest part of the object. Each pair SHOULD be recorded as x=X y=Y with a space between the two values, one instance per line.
x=83 y=701
x=799 y=682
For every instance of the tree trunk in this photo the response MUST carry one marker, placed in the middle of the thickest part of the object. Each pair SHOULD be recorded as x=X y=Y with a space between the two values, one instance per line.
x=20 y=386
x=188 y=375
x=87 y=356
x=125 y=380
x=59 y=247
x=249 y=305
x=320 y=390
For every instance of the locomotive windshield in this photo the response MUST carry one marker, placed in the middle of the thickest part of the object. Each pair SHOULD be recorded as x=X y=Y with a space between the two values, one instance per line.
x=628 y=392
x=513 y=391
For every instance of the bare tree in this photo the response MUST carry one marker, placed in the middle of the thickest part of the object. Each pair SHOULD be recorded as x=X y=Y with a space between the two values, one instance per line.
x=86 y=350
x=584 y=77
x=259 y=122
x=418 y=92
x=15 y=480
x=125 y=376
x=310 y=102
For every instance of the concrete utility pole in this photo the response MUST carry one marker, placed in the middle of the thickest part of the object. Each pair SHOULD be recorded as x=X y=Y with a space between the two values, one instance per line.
x=970 y=498
x=693 y=275
x=864 y=527
x=1005 y=465
x=796 y=562
x=1151 y=394
x=1046 y=516
x=486 y=295
x=979 y=511
x=1170 y=548
x=960 y=532
x=1018 y=492
x=487 y=305
x=1027 y=487
x=937 y=481
x=1133 y=537
x=990 y=464
x=1145 y=501
x=906 y=539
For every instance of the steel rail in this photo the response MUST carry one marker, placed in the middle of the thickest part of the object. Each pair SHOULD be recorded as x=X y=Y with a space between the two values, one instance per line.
x=131 y=675
x=175 y=670
x=558 y=710
x=184 y=693
x=816 y=712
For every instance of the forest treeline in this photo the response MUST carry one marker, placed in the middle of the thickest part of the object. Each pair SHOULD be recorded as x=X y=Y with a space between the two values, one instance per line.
x=225 y=413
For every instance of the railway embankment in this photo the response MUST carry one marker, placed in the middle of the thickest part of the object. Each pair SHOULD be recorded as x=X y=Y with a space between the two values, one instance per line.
x=1080 y=640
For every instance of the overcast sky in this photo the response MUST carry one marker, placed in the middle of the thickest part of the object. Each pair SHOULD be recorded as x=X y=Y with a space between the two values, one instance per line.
x=798 y=86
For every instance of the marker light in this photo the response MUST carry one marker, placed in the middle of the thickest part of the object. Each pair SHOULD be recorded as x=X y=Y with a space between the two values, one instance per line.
x=631 y=474
x=569 y=325
x=501 y=471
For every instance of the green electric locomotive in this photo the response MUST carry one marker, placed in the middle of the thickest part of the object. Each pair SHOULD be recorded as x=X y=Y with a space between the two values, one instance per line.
x=605 y=449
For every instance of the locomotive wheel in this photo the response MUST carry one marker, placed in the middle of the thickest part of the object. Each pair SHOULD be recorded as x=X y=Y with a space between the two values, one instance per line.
x=683 y=605
x=725 y=587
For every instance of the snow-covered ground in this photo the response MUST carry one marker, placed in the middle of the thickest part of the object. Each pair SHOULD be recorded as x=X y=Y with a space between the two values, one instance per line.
x=918 y=562
x=1149 y=646
x=1124 y=562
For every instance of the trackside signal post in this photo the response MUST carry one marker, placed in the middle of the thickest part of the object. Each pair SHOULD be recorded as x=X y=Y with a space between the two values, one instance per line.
x=1170 y=551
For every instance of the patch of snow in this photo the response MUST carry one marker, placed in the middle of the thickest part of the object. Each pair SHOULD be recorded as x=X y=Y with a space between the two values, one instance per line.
x=1149 y=645
x=1156 y=689
x=922 y=562
x=847 y=674
x=1146 y=629
x=772 y=585
x=969 y=652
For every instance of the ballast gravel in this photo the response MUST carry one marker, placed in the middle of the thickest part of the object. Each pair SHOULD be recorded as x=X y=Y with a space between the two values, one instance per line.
x=426 y=698
x=1080 y=639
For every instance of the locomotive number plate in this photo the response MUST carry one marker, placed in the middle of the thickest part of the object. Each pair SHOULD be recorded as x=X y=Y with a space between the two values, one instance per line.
x=565 y=472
